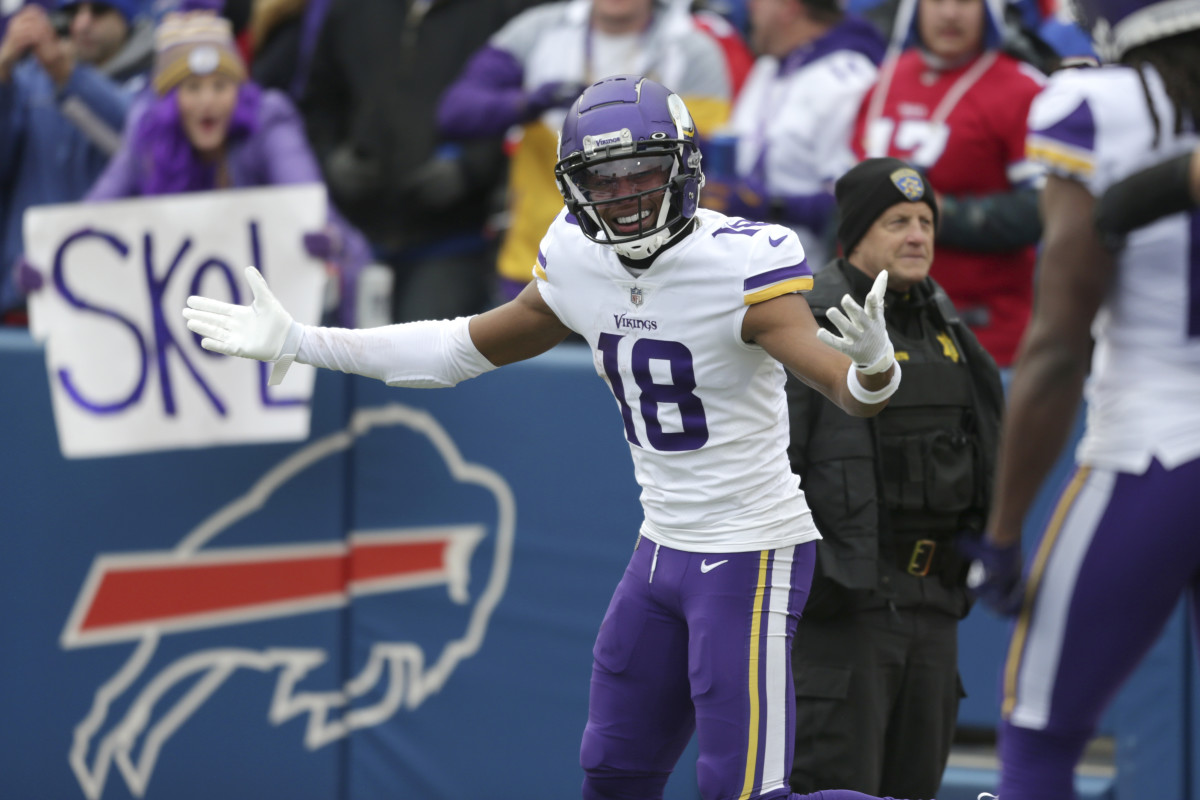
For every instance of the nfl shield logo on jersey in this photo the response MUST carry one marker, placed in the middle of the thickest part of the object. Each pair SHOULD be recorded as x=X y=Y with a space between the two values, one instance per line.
x=635 y=296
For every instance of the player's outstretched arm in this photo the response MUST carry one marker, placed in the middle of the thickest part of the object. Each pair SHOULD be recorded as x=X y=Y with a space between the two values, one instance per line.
x=520 y=329
x=1074 y=275
x=857 y=370
x=427 y=354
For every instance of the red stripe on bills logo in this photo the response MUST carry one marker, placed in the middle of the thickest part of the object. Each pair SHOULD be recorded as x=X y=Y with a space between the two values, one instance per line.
x=129 y=595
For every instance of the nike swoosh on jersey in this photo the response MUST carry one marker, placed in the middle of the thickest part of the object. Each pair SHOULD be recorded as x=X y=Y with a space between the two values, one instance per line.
x=707 y=567
x=776 y=242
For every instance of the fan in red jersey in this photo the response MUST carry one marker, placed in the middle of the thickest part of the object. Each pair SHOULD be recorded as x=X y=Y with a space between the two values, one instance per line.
x=953 y=105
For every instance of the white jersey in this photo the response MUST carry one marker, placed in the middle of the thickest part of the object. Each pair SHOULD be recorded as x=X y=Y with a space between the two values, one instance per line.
x=795 y=125
x=705 y=413
x=1094 y=126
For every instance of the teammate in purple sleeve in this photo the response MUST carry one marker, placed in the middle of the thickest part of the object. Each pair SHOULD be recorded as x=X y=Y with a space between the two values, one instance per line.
x=1121 y=548
x=692 y=318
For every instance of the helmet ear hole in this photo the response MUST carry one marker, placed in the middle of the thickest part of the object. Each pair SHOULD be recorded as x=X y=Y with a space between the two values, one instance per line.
x=686 y=189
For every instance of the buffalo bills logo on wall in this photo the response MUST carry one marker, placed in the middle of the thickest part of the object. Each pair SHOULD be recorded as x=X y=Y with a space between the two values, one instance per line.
x=909 y=182
x=435 y=584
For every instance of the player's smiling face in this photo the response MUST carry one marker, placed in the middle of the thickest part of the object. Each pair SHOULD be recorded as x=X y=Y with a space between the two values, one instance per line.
x=628 y=192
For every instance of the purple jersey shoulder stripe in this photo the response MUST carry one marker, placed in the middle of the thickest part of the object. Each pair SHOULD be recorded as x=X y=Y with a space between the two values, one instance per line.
x=571 y=218
x=1076 y=130
x=762 y=279
x=541 y=257
x=1066 y=146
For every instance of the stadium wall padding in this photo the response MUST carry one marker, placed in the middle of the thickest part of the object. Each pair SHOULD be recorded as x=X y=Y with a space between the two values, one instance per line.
x=463 y=546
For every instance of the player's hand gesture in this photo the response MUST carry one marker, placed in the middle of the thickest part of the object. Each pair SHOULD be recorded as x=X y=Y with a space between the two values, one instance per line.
x=864 y=334
x=260 y=330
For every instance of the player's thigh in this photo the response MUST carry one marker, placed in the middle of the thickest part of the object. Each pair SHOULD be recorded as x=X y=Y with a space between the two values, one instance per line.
x=640 y=713
x=741 y=619
x=1113 y=563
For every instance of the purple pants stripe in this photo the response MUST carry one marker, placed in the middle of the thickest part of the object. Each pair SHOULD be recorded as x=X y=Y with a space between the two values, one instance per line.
x=1124 y=551
x=1035 y=580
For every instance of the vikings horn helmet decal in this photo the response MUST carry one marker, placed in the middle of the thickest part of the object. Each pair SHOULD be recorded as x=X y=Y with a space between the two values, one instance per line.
x=626 y=142
x=1118 y=26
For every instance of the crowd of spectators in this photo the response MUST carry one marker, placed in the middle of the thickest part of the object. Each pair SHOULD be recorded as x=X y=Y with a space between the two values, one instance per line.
x=432 y=123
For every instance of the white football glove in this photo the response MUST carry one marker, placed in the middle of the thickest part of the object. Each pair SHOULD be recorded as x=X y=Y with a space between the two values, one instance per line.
x=864 y=335
x=262 y=330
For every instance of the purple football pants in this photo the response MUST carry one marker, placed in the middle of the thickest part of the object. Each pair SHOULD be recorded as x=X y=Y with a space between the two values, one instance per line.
x=1118 y=554
x=698 y=642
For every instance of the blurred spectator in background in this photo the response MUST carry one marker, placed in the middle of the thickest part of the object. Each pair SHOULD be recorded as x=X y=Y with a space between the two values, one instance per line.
x=370 y=107
x=739 y=58
x=535 y=67
x=734 y=11
x=953 y=105
x=793 y=121
x=880 y=13
x=207 y=127
x=282 y=38
x=1039 y=33
x=63 y=101
x=1059 y=29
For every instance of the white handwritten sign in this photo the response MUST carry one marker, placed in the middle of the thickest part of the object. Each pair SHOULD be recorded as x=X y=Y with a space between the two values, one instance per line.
x=126 y=374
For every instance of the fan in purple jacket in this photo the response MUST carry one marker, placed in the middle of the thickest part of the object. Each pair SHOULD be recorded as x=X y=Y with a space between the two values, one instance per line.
x=207 y=127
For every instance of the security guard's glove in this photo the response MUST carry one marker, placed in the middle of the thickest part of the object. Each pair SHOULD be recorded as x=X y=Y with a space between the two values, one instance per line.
x=864 y=335
x=995 y=574
x=262 y=330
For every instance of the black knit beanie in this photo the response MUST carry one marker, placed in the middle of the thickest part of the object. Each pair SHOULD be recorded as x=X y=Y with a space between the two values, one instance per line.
x=870 y=188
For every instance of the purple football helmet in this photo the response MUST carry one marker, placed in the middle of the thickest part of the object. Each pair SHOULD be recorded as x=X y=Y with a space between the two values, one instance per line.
x=1117 y=26
x=626 y=142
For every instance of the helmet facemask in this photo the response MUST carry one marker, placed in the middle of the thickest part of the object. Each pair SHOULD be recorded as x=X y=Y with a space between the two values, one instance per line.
x=625 y=198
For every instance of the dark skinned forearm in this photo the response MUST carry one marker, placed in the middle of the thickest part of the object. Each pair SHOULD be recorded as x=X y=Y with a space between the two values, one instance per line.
x=1074 y=276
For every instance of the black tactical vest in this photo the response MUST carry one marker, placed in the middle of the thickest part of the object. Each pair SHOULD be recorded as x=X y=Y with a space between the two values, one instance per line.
x=927 y=438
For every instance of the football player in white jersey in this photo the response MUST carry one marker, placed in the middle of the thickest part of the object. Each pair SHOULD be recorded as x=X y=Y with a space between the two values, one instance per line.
x=1121 y=548
x=692 y=317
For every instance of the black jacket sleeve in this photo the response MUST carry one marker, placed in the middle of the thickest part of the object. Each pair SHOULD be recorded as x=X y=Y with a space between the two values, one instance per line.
x=992 y=223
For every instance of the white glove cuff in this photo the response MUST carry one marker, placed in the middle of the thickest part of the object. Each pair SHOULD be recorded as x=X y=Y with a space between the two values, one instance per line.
x=865 y=395
x=287 y=354
x=881 y=365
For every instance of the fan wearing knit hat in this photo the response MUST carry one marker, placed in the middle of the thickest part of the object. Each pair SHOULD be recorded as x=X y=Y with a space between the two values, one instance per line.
x=207 y=126
x=196 y=57
x=887 y=219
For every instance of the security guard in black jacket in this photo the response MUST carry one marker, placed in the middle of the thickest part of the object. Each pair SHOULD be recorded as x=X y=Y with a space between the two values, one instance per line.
x=875 y=658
